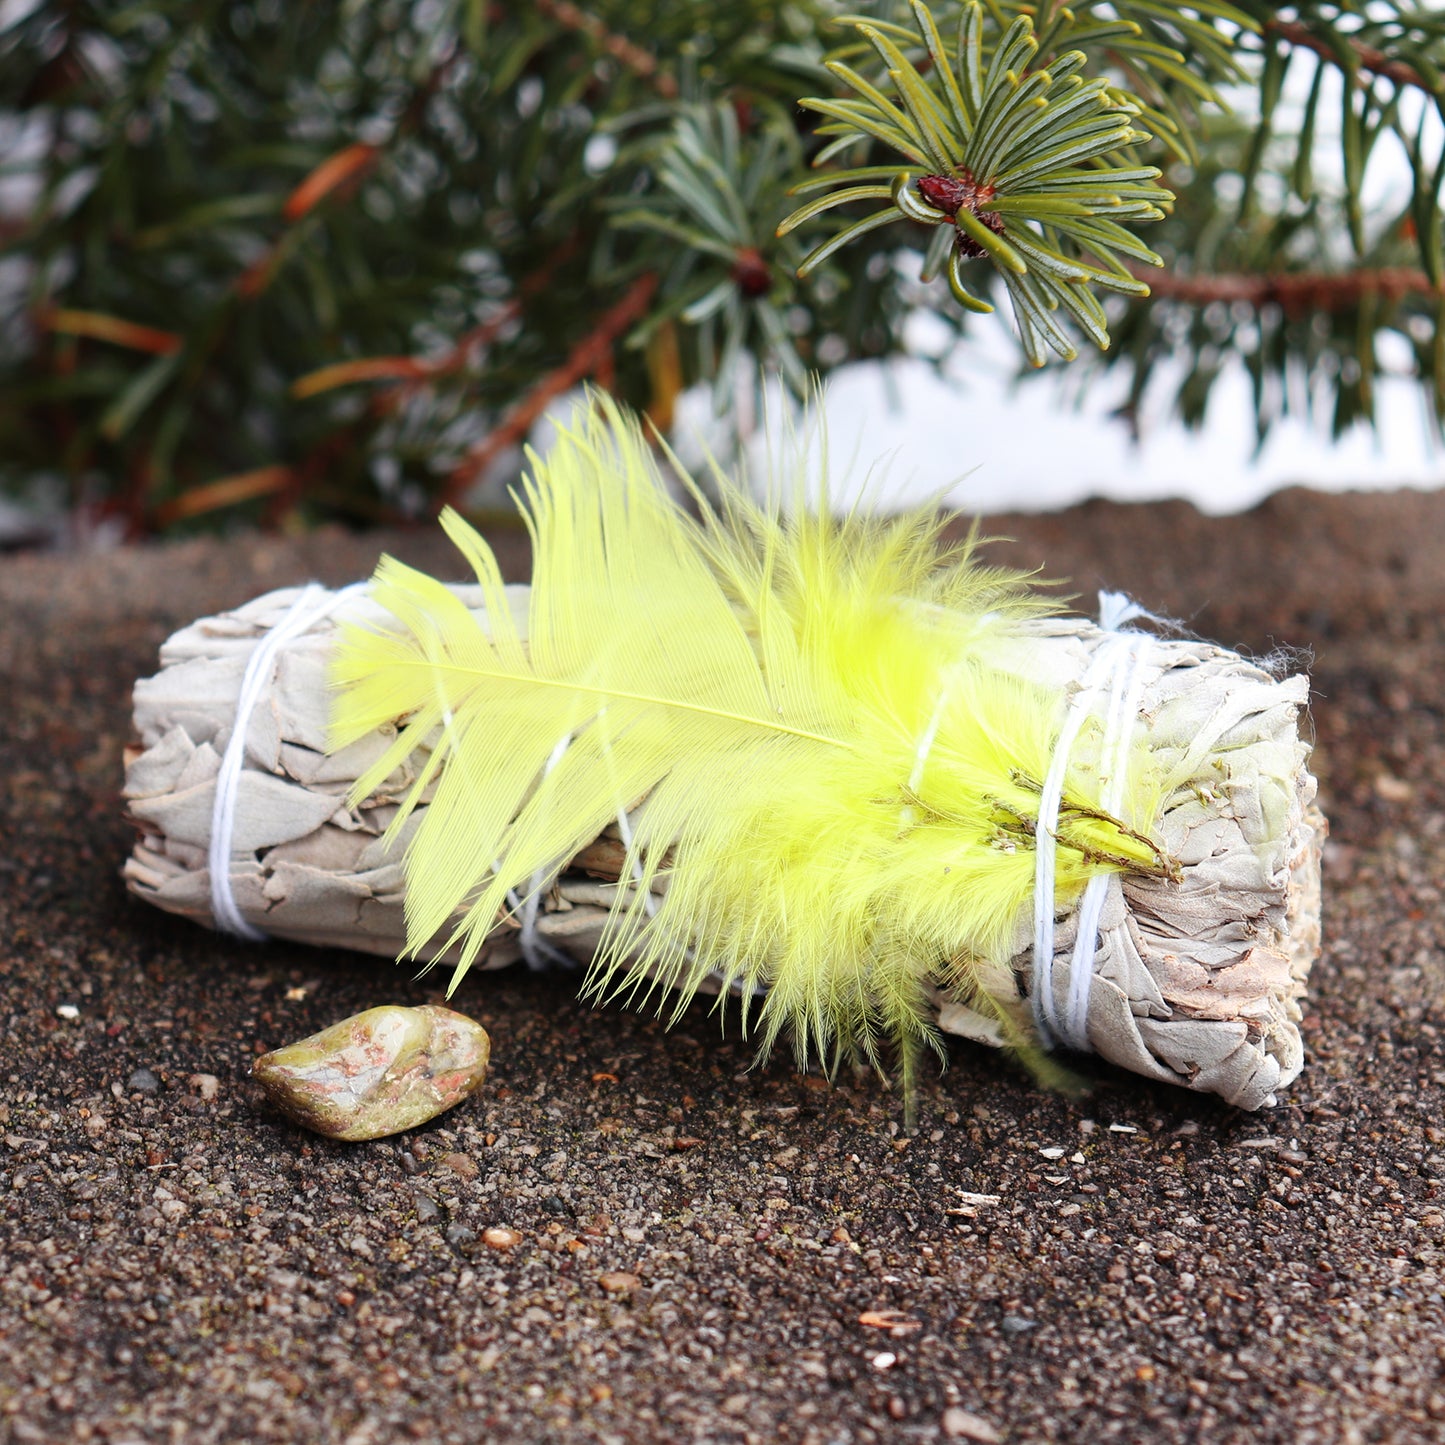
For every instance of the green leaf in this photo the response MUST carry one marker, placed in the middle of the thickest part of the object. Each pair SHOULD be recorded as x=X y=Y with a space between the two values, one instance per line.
x=872 y=96
x=857 y=119
x=207 y=215
x=819 y=254
x=996 y=246
x=1039 y=300
x=961 y=293
x=825 y=203
x=710 y=303
x=144 y=387
x=941 y=246
x=963 y=118
x=835 y=178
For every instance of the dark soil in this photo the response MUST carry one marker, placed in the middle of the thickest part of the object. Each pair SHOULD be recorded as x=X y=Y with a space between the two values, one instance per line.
x=703 y=1247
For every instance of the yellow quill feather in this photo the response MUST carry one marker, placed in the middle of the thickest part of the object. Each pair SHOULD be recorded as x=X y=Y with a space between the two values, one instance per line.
x=839 y=785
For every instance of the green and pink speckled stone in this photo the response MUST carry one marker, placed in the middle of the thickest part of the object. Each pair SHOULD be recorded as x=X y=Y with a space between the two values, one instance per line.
x=377 y=1073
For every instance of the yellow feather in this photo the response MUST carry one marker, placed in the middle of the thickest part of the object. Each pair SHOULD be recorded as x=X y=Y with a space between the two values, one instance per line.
x=840 y=786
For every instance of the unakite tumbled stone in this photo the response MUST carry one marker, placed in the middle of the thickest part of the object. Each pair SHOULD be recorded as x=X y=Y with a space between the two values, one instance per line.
x=378 y=1072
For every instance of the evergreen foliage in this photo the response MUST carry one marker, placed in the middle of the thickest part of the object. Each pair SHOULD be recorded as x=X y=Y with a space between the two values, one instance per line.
x=301 y=261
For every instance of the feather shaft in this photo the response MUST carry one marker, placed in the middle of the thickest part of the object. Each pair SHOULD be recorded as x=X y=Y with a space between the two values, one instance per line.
x=659 y=700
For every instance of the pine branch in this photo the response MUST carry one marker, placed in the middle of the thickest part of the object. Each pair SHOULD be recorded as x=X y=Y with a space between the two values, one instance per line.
x=288 y=486
x=717 y=186
x=227 y=242
x=1027 y=169
x=642 y=63
x=1296 y=292
x=1367 y=57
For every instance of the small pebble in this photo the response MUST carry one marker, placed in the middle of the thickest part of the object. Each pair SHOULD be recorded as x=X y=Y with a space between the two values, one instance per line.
x=427 y=1208
x=378 y=1073
x=68 y=1012
x=965 y=1425
x=616 y=1282
x=884 y=1360
x=206 y=1085
x=459 y=1236
x=501 y=1239
x=1018 y=1324
x=143 y=1081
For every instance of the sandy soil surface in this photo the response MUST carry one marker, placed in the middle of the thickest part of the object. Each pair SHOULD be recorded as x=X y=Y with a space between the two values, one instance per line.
x=709 y=1253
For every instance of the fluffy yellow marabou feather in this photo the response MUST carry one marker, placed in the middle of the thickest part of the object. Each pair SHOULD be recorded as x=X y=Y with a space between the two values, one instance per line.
x=839 y=786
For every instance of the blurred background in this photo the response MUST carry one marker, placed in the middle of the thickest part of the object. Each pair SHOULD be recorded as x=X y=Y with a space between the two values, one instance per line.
x=273 y=264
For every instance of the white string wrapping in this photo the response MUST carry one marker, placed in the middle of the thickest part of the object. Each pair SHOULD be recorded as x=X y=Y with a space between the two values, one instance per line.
x=624 y=827
x=312 y=604
x=1114 y=680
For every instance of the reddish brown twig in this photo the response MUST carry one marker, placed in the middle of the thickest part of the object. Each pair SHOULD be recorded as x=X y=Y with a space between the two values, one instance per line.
x=626 y=52
x=1293 y=291
x=413 y=372
x=223 y=492
x=590 y=355
x=1292 y=32
x=348 y=165
x=101 y=327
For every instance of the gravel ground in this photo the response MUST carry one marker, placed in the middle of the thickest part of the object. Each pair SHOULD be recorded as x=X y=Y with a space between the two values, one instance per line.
x=705 y=1252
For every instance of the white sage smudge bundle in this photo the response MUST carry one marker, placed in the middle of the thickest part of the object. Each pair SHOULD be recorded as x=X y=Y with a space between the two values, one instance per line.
x=1194 y=979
